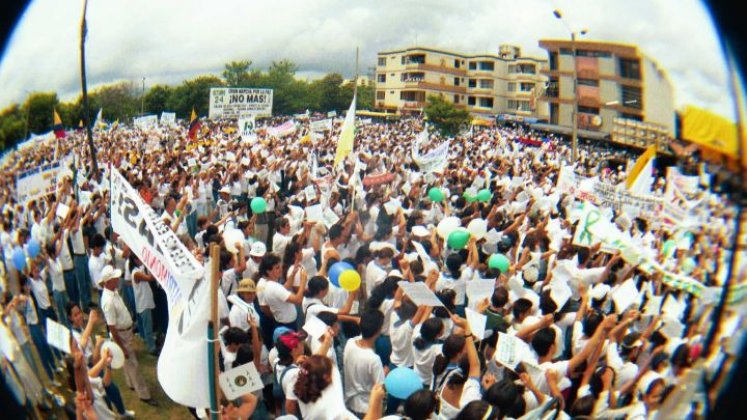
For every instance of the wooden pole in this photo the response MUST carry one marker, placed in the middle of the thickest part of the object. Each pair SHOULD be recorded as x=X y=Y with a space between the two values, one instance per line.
x=213 y=327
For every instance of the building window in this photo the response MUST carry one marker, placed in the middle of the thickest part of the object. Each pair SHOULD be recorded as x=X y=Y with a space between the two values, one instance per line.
x=456 y=81
x=381 y=78
x=512 y=68
x=473 y=65
x=554 y=114
x=380 y=95
x=566 y=51
x=588 y=53
x=588 y=82
x=382 y=61
x=526 y=87
x=512 y=87
x=630 y=68
x=487 y=66
x=553 y=61
x=514 y=105
x=456 y=64
x=552 y=89
x=471 y=100
x=472 y=83
x=486 y=84
x=631 y=96
x=456 y=99
x=631 y=116
x=412 y=96
x=486 y=102
x=413 y=59
x=588 y=110
x=412 y=77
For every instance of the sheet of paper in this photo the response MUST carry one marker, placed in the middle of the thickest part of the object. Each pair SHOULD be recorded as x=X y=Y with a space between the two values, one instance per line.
x=310 y=193
x=625 y=295
x=62 y=210
x=672 y=307
x=315 y=327
x=421 y=252
x=330 y=218
x=420 y=294
x=560 y=293
x=240 y=381
x=236 y=300
x=476 y=322
x=511 y=350
x=653 y=305
x=392 y=206
x=58 y=336
x=315 y=213
x=479 y=289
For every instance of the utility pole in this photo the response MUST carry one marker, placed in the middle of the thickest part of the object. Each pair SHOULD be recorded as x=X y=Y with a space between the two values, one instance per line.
x=86 y=112
x=142 y=100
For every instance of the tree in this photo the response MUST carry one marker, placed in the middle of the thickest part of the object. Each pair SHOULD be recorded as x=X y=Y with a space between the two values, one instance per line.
x=193 y=93
x=280 y=78
x=236 y=73
x=445 y=116
x=119 y=101
x=40 y=108
x=157 y=98
x=331 y=96
x=12 y=125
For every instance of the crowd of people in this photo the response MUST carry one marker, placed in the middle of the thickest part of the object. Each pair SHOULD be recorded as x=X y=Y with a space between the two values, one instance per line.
x=596 y=333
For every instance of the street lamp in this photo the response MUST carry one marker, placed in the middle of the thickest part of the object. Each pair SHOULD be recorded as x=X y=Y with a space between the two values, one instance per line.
x=574 y=136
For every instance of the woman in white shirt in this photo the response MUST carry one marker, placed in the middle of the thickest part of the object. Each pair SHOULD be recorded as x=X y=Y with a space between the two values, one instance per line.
x=458 y=385
x=319 y=388
x=144 y=303
x=54 y=270
x=426 y=346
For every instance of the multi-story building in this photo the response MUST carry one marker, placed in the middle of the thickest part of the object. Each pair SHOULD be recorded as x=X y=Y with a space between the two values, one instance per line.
x=615 y=83
x=484 y=84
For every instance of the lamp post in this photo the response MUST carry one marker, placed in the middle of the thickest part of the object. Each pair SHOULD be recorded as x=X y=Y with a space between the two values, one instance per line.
x=574 y=115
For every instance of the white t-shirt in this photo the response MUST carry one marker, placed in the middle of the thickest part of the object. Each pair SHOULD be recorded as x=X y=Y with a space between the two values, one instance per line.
x=458 y=285
x=538 y=376
x=470 y=392
x=279 y=243
x=289 y=380
x=423 y=359
x=95 y=265
x=330 y=404
x=228 y=282
x=401 y=337
x=363 y=370
x=274 y=296
x=54 y=268
x=238 y=317
x=143 y=293
x=313 y=306
x=39 y=289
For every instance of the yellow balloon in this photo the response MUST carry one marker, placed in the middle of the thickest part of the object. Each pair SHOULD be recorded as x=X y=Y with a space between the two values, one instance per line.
x=350 y=280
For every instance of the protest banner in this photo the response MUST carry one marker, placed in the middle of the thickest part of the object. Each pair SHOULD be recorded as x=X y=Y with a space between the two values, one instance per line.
x=239 y=102
x=184 y=353
x=686 y=185
x=434 y=160
x=619 y=199
x=58 y=336
x=40 y=181
x=420 y=294
x=567 y=180
x=590 y=215
x=331 y=114
x=282 y=130
x=247 y=127
x=510 y=351
x=168 y=119
x=321 y=125
x=240 y=381
x=147 y=122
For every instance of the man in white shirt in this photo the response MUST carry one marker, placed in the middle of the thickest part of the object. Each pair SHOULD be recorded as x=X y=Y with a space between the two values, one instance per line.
x=363 y=367
x=256 y=252
x=98 y=260
x=240 y=314
x=120 y=325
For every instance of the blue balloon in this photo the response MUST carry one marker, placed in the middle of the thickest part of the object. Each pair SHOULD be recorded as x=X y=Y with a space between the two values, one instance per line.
x=34 y=248
x=402 y=382
x=337 y=269
x=18 y=258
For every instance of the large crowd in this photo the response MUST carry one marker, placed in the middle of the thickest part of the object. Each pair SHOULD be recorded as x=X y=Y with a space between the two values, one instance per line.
x=592 y=332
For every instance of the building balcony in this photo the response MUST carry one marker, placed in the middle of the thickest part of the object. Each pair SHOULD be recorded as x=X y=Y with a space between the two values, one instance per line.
x=481 y=91
x=434 y=68
x=413 y=105
x=436 y=86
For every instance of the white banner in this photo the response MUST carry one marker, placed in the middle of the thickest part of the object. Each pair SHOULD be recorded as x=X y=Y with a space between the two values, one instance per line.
x=168 y=119
x=239 y=102
x=331 y=114
x=434 y=160
x=567 y=181
x=321 y=125
x=40 y=181
x=184 y=353
x=246 y=128
x=147 y=122
x=609 y=196
x=282 y=130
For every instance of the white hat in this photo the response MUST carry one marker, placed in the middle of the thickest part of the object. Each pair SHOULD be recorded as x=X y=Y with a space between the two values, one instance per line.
x=419 y=230
x=530 y=274
x=109 y=273
x=258 y=249
x=225 y=190
x=395 y=273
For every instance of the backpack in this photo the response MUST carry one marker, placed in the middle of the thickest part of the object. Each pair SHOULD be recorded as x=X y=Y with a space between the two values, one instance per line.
x=277 y=387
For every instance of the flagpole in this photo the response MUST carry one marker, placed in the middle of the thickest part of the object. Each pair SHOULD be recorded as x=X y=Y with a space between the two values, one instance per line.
x=84 y=88
x=213 y=369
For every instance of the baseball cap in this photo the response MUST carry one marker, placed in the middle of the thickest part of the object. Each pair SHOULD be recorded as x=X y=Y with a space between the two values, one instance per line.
x=247 y=286
x=258 y=249
x=109 y=273
x=290 y=339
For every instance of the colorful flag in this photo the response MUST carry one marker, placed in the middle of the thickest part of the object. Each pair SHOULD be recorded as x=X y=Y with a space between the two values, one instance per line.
x=194 y=125
x=80 y=125
x=59 y=131
x=347 y=135
x=641 y=176
x=97 y=123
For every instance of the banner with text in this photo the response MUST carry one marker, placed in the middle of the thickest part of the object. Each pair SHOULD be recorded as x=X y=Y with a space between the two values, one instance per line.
x=239 y=102
x=40 y=181
x=168 y=119
x=247 y=127
x=147 y=122
x=321 y=125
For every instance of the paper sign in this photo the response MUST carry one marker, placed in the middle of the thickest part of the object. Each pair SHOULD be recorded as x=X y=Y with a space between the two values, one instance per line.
x=310 y=193
x=315 y=213
x=420 y=294
x=672 y=307
x=315 y=327
x=240 y=381
x=330 y=218
x=476 y=322
x=236 y=300
x=391 y=206
x=510 y=351
x=560 y=293
x=624 y=296
x=479 y=289
x=421 y=251
x=493 y=236
x=58 y=336
x=672 y=328
x=653 y=305
x=62 y=210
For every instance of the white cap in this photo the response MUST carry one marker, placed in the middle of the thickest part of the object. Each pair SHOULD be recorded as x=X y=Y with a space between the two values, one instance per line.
x=258 y=249
x=225 y=190
x=419 y=230
x=109 y=273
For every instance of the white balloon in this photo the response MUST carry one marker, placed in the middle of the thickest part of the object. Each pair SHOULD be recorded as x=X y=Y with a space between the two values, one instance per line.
x=231 y=237
x=448 y=225
x=478 y=228
x=115 y=352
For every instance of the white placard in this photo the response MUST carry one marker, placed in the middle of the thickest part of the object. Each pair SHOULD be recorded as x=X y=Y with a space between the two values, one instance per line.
x=62 y=211
x=147 y=122
x=330 y=217
x=310 y=193
x=321 y=125
x=476 y=322
x=315 y=327
x=168 y=119
x=653 y=305
x=240 y=381
x=58 y=336
x=247 y=126
x=39 y=181
x=510 y=351
x=239 y=102
x=315 y=213
x=479 y=289
x=421 y=252
x=420 y=294
x=625 y=295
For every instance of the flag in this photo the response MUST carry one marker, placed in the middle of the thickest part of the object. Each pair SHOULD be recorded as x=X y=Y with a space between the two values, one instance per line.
x=114 y=125
x=640 y=179
x=347 y=135
x=97 y=122
x=59 y=131
x=80 y=125
x=194 y=125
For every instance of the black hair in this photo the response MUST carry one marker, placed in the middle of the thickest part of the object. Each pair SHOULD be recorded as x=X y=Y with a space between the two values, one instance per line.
x=547 y=305
x=420 y=405
x=507 y=397
x=69 y=306
x=268 y=261
x=521 y=306
x=446 y=296
x=543 y=340
x=327 y=317
x=453 y=345
x=244 y=355
x=406 y=309
x=499 y=297
x=316 y=285
x=383 y=291
x=583 y=406
x=591 y=322
x=454 y=265
x=371 y=323
x=478 y=410
x=98 y=241
x=429 y=332
x=335 y=231
x=235 y=335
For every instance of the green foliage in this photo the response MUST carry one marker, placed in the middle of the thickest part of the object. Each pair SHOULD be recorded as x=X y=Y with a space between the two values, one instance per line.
x=192 y=93
x=12 y=125
x=40 y=108
x=157 y=98
x=236 y=73
x=447 y=119
x=331 y=95
x=118 y=101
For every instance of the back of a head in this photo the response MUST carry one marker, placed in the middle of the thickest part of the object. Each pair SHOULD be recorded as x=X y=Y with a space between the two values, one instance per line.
x=478 y=410
x=329 y=318
x=521 y=306
x=500 y=297
x=371 y=323
x=543 y=341
x=235 y=335
x=591 y=322
x=502 y=394
x=429 y=332
x=421 y=405
x=316 y=285
x=335 y=231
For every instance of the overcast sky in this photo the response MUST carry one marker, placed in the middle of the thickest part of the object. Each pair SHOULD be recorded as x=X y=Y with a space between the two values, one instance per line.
x=166 y=41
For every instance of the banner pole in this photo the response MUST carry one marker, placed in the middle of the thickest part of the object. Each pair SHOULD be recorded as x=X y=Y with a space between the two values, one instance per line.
x=213 y=369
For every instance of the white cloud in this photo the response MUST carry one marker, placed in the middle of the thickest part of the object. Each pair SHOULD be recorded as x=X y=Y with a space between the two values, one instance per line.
x=169 y=40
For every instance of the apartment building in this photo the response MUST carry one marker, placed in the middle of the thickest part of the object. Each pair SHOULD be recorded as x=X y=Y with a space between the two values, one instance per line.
x=484 y=84
x=620 y=91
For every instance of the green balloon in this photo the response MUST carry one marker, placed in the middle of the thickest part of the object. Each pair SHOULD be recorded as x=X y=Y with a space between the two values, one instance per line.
x=258 y=205
x=668 y=248
x=499 y=261
x=484 y=195
x=458 y=239
x=688 y=266
x=470 y=198
x=436 y=195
